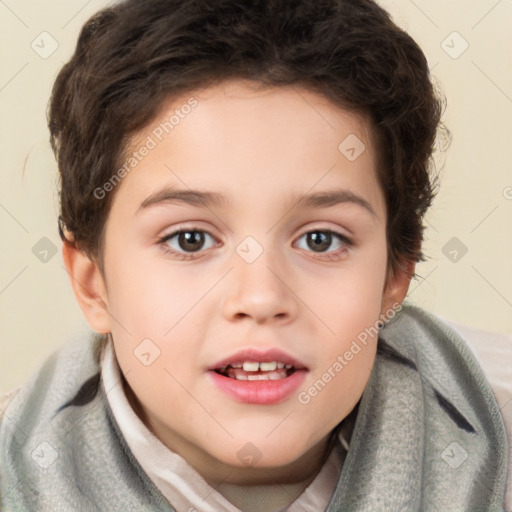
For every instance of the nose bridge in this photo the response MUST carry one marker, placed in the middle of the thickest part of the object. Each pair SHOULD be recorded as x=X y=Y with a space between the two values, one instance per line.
x=257 y=288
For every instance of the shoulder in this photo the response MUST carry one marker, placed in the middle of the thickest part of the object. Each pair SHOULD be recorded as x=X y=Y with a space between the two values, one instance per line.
x=32 y=431
x=56 y=382
x=59 y=439
x=493 y=352
x=483 y=352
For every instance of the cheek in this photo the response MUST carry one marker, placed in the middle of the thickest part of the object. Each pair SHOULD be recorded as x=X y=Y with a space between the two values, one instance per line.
x=155 y=332
x=343 y=365
x=350 y=299
x=151 y=296
x=350 y=307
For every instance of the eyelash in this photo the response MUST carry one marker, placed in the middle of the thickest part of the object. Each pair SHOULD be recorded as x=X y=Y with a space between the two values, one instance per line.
x=329 y=256
x=180 y=255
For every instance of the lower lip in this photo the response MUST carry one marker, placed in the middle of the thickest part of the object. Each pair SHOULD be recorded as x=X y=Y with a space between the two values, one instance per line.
x=262 y=392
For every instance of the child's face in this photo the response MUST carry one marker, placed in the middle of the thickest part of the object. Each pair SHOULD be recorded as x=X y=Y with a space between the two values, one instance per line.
x=307 y=296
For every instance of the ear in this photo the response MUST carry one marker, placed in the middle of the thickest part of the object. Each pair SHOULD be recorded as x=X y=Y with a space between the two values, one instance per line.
x=397 y=285
x=89 y=287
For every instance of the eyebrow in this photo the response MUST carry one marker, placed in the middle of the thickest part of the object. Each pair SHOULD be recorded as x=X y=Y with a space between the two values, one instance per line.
x=191 y=197
x=332 y=198
x=208 y=199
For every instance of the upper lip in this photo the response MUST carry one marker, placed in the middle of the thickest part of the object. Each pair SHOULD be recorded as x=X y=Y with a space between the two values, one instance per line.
x=255 y=355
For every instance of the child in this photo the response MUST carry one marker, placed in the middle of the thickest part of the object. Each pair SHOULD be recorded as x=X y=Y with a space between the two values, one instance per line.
x=271 y=365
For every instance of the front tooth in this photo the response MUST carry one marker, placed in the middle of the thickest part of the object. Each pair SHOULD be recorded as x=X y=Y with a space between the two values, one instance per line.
x=268 y=367
x=241 y=376
x=280 y=365
x=251 y=367
x=253 y=377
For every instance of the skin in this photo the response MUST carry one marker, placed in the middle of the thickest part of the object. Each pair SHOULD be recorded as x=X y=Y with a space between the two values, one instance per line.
x=262 y=148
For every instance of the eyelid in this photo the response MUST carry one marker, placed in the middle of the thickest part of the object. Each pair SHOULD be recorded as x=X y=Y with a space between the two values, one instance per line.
x=172 y=234
x=345 y=239
x=194 y=226
x=347 y=243
x=181 y=255
x=344 y=233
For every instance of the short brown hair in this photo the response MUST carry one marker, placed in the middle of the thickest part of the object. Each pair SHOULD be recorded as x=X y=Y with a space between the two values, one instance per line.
x=135 y=55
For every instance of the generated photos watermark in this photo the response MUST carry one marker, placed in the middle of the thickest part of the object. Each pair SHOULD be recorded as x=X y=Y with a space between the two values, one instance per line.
x=150 y=143
x=304 y=397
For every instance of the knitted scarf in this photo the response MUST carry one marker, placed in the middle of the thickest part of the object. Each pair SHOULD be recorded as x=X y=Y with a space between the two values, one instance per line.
x=428 y=434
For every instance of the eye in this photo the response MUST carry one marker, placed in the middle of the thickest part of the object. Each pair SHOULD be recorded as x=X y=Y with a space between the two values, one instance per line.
x=186 y=241
x=320 y=240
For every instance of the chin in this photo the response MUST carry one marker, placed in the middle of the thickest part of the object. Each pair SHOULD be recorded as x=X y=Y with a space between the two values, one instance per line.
x=260 y=452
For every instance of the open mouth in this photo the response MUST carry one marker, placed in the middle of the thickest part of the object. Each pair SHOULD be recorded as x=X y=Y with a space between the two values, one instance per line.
x=263 y=377
x=254 y=370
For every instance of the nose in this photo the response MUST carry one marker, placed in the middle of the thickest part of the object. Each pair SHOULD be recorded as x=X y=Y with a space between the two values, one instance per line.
x=261 y=291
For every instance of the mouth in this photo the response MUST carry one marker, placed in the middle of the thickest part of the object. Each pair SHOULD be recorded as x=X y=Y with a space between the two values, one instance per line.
x=254 y=370
x=257 y=377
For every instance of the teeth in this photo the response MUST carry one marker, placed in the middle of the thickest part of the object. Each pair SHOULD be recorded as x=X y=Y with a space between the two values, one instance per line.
x=250 y=367
x=254 y=370
x=267 y=366
x=273 y=375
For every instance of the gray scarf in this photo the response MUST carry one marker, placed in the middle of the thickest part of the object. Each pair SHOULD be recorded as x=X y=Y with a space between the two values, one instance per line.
x=428 y=434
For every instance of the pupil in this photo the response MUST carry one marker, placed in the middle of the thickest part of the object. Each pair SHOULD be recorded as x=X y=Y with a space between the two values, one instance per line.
x=320 y=240
x=191 y=240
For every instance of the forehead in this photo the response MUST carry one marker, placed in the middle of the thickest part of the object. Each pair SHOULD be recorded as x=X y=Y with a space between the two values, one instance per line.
x=255 y=107
x=239 y=135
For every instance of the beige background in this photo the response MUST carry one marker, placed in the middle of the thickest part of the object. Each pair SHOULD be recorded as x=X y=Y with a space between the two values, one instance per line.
x=37 y=308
